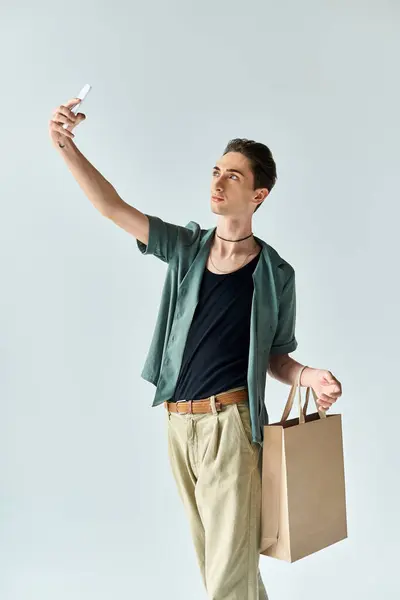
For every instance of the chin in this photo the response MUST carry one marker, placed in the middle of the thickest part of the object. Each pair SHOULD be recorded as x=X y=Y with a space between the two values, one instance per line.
x=215 y=209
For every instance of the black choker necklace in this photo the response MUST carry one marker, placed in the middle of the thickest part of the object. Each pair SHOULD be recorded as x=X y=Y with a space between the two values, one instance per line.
x=241 y=239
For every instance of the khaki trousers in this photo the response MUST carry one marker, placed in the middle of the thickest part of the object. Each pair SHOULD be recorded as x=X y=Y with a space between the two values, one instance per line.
x=217 y=469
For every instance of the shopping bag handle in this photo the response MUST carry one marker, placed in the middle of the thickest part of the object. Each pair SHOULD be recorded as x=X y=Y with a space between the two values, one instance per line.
x=302 y=410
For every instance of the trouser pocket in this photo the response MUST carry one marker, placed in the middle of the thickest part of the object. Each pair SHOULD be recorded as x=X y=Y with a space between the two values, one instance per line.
x=241 y=412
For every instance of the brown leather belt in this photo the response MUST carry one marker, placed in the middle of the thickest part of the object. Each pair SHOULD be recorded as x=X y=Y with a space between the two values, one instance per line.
x=204 y=406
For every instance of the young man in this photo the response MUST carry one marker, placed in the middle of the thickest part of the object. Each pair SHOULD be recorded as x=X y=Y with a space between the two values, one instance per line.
x=226 y=318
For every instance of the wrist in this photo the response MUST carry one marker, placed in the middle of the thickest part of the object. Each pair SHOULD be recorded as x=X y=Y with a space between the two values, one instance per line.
x=66 y=144
x=307 y=377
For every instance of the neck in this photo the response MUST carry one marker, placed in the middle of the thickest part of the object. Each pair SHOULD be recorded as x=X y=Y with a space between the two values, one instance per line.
x=233 y=230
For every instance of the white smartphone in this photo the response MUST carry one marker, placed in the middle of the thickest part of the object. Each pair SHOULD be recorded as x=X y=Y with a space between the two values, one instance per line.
x=82 y=95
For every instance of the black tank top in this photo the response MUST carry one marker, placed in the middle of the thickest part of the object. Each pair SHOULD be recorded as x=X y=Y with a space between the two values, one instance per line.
x=216 y=353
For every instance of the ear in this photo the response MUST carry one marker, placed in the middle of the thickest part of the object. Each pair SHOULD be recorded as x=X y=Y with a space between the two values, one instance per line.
x=262 y=194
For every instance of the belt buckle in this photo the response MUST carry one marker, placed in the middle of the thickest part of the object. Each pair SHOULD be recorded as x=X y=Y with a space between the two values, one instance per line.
x=190 y=404
x=177 y=409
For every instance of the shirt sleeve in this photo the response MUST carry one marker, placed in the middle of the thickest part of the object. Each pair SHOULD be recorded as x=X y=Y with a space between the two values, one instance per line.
x=285 y=339
x=165 y=238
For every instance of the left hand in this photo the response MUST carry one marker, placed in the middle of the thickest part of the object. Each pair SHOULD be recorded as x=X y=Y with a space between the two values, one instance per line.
x=327 y=388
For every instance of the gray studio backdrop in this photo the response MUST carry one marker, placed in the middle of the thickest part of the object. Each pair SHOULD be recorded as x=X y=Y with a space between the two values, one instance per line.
x=88 y=506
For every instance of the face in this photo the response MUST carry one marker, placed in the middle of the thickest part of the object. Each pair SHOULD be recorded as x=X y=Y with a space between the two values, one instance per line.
x=232 y=180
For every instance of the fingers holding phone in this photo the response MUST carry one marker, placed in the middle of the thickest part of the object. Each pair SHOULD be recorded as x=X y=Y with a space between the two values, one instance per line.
x=63 y=121
x=66 y=117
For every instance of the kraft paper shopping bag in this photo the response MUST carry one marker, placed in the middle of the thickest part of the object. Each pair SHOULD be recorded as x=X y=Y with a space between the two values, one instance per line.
x=303 y=483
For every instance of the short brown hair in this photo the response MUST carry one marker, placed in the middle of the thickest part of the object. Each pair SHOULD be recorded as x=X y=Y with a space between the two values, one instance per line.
x=262 y=163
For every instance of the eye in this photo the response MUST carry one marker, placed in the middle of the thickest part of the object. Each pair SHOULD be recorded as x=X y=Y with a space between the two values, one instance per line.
x=231 y=175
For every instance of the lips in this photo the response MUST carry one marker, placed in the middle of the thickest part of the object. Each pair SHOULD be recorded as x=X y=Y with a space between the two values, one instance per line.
x=217 y=198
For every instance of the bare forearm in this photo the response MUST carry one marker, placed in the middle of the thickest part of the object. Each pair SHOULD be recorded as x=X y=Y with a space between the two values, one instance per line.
x=325 y=385
x=100 y=192
x=285 y=369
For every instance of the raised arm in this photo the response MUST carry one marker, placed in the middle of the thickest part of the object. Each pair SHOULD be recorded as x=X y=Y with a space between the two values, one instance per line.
x=100 y=192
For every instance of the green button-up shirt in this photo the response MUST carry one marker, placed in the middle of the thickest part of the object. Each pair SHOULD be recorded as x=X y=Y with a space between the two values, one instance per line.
x=273 y=311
